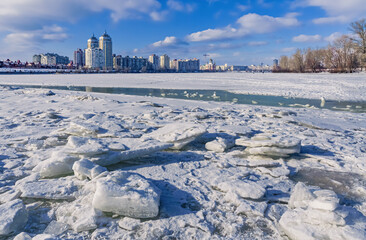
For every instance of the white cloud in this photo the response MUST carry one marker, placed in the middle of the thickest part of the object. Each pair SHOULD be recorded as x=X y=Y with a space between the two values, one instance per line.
x=168 y=42
x=179 y=6
x=32 y=41
x=246 y=25
x=333 y=37
x=341 y=11
x=307 y=38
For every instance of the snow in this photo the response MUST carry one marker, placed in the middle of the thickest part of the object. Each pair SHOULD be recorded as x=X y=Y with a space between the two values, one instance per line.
x=59 y=152
x=13 y=217
x=127 y=194
x=315 y=86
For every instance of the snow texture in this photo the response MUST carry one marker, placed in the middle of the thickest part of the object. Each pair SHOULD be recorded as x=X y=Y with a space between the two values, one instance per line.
x=13 y=217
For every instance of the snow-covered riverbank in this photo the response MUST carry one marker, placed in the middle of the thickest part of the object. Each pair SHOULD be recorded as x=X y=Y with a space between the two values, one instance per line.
x=344 y=87
x=215 y=187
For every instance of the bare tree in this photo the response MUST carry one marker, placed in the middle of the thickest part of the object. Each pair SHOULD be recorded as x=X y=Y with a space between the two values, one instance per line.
x=284 y=64
x=359 y=29
x=298 y=62
x=313 y=60
x=346 y=56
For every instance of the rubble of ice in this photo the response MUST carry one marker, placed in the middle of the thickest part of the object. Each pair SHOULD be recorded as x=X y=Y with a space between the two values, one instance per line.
x=179 y=134
x=127 y=194
x=98 y=166
x=84 y=169
x=317 y=214
x=13 y=217
x=270 y=145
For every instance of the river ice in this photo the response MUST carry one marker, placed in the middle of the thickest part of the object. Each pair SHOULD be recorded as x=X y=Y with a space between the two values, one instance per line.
x=87 y=165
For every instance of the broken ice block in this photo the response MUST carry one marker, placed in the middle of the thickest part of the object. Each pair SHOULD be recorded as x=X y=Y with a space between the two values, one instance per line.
x=127 y=194
x=13 y=217
x=84 y=169
x=57 y=189
x=180 y=134
x=220 y=145
x=270 y=145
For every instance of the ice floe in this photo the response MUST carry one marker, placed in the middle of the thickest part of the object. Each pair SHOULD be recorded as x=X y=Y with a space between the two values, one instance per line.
x=179 y=134
x=13 y=217
x=271 y=145
x=316 y=214
x=127 y=194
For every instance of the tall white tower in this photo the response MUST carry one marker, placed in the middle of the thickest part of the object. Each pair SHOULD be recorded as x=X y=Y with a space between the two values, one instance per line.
x=105 y=43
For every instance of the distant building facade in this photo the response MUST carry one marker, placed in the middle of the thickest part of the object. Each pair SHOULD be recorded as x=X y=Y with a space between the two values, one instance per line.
x=164 y=62
x=37 y=58
x=50 y=59
x=105 y=44
x=154 y=61
x=187 y=65
x=79 y=58
x=94 y=56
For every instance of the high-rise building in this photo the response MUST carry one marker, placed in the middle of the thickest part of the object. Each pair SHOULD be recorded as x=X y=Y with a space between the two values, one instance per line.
x=93 y=42
x=37 y=59
x=94 y=56
x=164 y=62
x=154 y=61
x=117 y=62
x=105 y=43
x=79 y=59
x=187 y=65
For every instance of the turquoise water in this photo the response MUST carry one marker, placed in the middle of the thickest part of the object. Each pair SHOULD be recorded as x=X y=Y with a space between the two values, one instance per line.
x=216 y=95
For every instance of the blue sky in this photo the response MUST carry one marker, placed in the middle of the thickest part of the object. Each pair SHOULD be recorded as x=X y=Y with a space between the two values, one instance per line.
x=229 y=31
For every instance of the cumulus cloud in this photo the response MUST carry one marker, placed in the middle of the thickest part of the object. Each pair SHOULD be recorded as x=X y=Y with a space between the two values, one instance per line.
x=307 y=38
x=31 y=41
x=168 y=42
x=341 y=11
x=248 y=24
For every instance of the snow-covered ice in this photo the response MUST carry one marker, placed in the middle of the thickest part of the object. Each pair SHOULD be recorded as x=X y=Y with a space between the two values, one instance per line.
x=127 y=194
x=13 y=217
x=74 y=160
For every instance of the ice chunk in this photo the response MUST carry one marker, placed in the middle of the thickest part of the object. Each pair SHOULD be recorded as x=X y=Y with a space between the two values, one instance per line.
x=106 y=152
x=270 y=145
x=86 y=169
x=13 y=217
x=300 y=196
x=220 y=145
x=251 y=208
x=127 y=194
x=82 y=129
x=85 y=146
x=56 y=228
x=79 y=215
x=178 y=133
x=22 y=236
x=129 y=224
x=136 y=148
x=325 y=200
x=44 y=237
x=58 y=189
x=59 y=164
x=325 y=217
x=9 y=196
x=250 y=190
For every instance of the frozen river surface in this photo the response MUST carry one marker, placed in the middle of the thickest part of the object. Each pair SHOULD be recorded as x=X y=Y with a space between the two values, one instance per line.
x=85 y=165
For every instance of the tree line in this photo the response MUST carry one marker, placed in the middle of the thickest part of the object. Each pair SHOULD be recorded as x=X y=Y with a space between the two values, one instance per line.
x=346 y=54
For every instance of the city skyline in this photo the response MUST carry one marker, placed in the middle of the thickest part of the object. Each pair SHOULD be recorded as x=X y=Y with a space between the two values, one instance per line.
x=233 y=32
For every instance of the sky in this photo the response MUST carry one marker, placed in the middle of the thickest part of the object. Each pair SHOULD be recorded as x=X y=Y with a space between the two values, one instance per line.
x=236 y=32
